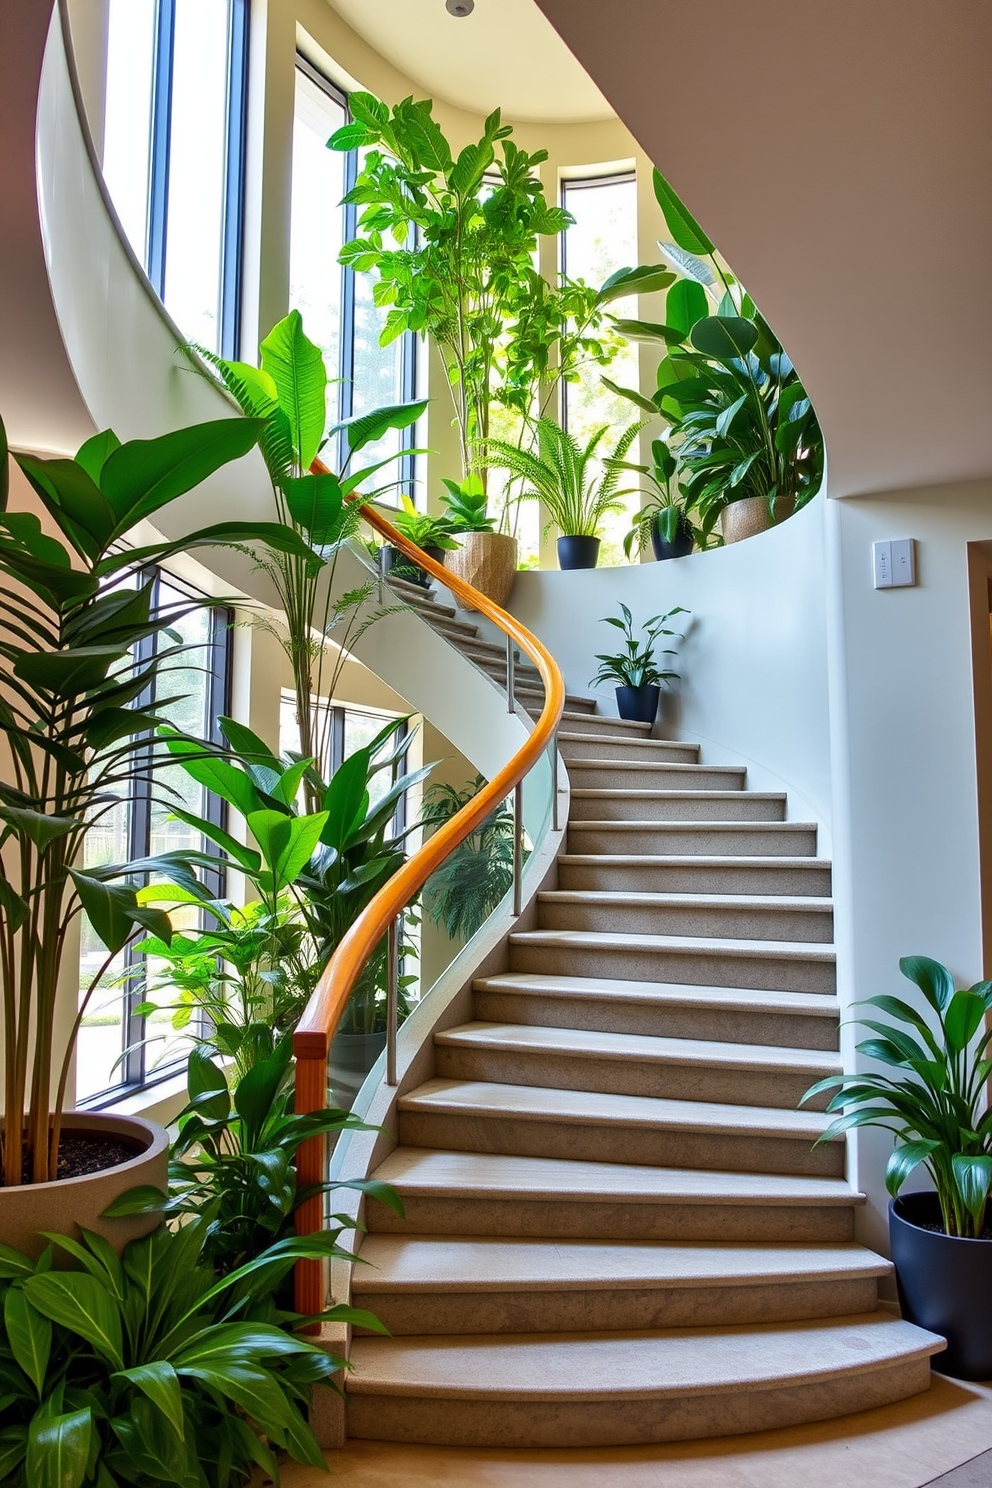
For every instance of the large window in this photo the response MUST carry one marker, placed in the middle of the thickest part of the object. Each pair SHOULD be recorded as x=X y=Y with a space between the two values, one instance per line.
x=337 y=304
x=174 y=153
x=603 y=239
x=112 y=1055
x=350 y=729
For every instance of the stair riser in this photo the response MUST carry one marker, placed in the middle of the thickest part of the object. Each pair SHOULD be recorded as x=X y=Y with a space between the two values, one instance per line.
x=629 y=1077
x=604 y=745
x=753 y=922
x=616 y=1219
x=617 y=1421
x=659 y=1019
x=609 y=1309
x=620 y=1142
x=605 y=728
x=607 y=776
x=584 y=836
x=619 y=806
x=689 y=968
x=694 y=878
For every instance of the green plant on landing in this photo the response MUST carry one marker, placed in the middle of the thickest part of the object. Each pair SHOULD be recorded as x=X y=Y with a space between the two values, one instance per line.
x=147 y=1370
x=426 y=531
x=452 y=240
x=576 y=482
x=477 y=876
x=635 y=665
x=664 y=512
x=467 y=505
x=937 y=1102
x=75 y=628
x=287 y=395
x=741 y=422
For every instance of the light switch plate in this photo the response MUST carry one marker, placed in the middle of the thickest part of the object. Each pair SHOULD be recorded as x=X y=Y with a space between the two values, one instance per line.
x=893 y=563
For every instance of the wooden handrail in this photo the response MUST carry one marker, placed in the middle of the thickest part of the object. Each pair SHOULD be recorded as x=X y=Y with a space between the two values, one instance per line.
x=312 y=1039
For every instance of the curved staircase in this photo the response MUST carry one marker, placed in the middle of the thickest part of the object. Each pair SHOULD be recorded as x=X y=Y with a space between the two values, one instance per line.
x=617 y=1230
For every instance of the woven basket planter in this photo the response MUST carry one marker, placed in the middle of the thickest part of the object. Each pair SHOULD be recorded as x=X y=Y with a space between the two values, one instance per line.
x=749 y=517
x=487 y=561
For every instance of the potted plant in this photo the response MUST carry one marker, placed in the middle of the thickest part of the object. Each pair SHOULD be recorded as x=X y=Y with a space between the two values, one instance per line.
x=484 y=558
x=662 y=519
x=431 y=533
x=576 y=483
x=80 y=646
x=936 y=1104
x=634 y=670
x=748 y=444
x=474 y=880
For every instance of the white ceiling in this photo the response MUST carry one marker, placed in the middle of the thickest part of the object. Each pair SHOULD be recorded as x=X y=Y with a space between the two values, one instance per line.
x=505 y=54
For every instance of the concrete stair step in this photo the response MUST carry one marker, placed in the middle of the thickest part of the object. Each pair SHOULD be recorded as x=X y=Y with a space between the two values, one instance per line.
x=532 y=1121
x=584 y=1389
x=648 y=775
x=588 y=718
x=632 y=1064
x=619 y=873
x=575 y=742
x=455 y=630
x=764 y=965
x=797 y=1020
x=587 y=835
x=499 y=1194
x=743 y=917
x=678 y=805
x=433 y=1284
x=419 y=595
x=532 y=699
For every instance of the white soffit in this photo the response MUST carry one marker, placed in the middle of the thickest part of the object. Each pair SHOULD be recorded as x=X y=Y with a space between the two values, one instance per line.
x=506 y=54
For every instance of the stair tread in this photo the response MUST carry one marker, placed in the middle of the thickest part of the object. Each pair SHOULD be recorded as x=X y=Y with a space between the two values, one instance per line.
x=624 y=723
x=490 y=1098
x=588 y=939
x=597 y=793
x=684 y=899
x=577 y=737
x=659 y=767
x=591 y=1044
x=600 y=825
x=670 y=1362
x=701 y=860
x=440 y=1263
x=428 y=1172
x=583 y=988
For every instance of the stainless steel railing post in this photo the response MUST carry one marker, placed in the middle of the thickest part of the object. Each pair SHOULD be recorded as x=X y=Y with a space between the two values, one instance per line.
x=555 y=814
x=510 y=675
x=518 y=847
x=392 y=997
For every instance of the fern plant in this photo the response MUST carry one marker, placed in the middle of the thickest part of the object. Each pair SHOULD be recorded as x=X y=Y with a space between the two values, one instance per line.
x=577 y=483
x=462 y=894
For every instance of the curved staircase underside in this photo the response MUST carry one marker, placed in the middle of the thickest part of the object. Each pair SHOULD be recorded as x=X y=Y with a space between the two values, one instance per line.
x=617 y=1227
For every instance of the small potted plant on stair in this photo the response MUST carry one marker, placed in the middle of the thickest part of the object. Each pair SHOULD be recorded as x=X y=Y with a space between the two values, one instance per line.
x=635 y=671
x=433 y=534
x=936 y=1105
x=662 y=520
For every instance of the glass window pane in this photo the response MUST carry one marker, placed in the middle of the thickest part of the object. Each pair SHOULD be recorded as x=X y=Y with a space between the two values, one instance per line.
x=317 y=225
x=101 y=1033
x=602 y=240
x=127 y=138
x=198 y=168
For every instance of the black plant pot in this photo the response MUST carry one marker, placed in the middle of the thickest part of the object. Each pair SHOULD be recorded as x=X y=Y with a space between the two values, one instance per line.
x=639 y=704
x=680 y=548
x=394 y=560
x=945 y=1285
x=578 y=552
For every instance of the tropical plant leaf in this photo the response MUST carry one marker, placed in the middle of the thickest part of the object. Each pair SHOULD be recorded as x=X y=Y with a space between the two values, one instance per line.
x=29 y=1336
x=297 y=369
x=681 y=224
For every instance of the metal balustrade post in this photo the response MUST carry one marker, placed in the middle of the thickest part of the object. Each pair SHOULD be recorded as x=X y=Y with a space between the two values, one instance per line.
x=518 y=847
x=511 y=680
x=392 y=997
x=555 y=814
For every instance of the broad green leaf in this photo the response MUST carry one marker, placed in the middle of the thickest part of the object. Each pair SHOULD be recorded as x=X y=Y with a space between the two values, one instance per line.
x=12 y=907
x=315 y=503
x=287 y=842
x=204 y=1079
x=648 y=404
x=962 y=1019
x=681 y=224
x=36 y=826
x=153 y=1446
x=14 y=1264
x=367 y=428
x=249 y=1387
x=723 y=337
x=159 y=1381
x=204 y=765
x=247 y=744
x=245 y=857
x=643 y=280
x=650 y=330
x=144 y=1199
x=973 y=1176
x=685 y=304
x=113 y=911
x=350 y=137
x=58 y=1448
x=903 y=1160
x=296 y=366
x=146 y=474
x=80 y=1303
x=74 y=500
x=94 y=453
x=29 y=1337
x=13 y=1445
x=933 y=980
x=344 y=796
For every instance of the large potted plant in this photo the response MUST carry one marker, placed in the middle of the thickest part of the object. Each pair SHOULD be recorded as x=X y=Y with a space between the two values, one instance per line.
x=431 y=533
x=576 y=482
x=81 y=647
x=481 y=556
x=936 y=1104
x=635 y=670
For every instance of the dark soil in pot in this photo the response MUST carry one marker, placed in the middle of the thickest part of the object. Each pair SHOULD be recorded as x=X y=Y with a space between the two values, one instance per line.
x=945 y=1284
x=638 y=704
x=681 y=547
x=81 y=1153
x=578 y=552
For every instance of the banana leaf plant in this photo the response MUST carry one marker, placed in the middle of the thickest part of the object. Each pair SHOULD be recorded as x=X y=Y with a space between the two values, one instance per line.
x=75 y=627
x=741 y=422
x=148 y=1369
x=287 y=395
x=936 y=1102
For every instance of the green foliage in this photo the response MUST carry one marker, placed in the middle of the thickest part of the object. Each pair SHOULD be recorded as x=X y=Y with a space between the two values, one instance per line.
x=466 y=504
x=936 y=1104
x=75 y=610
x=146 y=1369
x=475 y=878
x=576 y=483
x=424 y=530
x=635 y=665
x=664 y=511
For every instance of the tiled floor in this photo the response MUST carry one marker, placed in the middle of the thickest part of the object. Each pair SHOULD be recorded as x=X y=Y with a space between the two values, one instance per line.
x=917 y=1442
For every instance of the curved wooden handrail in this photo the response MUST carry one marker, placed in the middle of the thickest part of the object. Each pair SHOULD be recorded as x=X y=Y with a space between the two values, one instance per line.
x=312 y=1039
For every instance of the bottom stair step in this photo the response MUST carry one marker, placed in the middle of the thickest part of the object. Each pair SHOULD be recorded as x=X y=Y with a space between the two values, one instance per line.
x=594 y=1390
